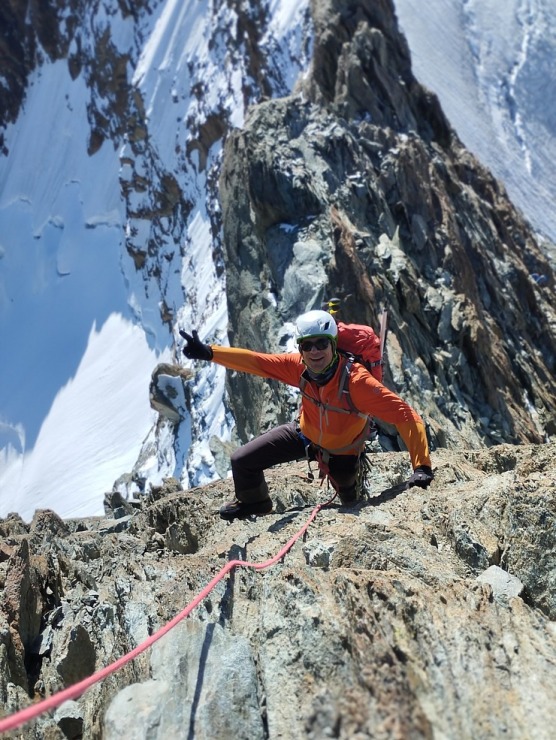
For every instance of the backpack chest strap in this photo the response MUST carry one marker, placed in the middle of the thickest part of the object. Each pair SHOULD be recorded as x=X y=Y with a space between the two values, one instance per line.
x=343 y=393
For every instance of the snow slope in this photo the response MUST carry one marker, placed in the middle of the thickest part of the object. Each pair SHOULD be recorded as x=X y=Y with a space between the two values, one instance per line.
x=491 y=63
x=73 y=362
x=80 y=326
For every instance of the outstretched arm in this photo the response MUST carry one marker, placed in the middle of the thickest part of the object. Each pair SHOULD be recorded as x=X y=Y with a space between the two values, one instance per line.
x=286 y=368
x=375 y=399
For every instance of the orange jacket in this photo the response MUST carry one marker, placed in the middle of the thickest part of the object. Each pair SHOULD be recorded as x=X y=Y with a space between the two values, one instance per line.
x=334 y=430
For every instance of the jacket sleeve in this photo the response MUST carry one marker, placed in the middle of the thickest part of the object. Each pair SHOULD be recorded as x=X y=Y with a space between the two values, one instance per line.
x=286 y=368
x=374 y=399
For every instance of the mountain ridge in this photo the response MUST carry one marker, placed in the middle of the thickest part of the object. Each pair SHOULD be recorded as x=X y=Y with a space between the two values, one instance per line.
x=370 y=626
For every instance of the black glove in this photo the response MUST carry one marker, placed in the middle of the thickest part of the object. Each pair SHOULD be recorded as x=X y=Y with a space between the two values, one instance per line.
x=195 y=349
x=422 y=477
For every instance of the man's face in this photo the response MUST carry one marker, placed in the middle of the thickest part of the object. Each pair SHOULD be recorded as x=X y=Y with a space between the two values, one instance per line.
x=317 y=353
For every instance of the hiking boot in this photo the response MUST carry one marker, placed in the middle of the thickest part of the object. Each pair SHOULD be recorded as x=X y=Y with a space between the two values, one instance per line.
x=238 y=509
x=348 y=496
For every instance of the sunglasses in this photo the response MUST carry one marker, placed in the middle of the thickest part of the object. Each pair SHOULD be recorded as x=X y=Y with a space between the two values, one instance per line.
x=317 y=344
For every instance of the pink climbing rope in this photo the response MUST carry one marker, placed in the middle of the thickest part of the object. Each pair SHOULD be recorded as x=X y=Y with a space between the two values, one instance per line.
x=73 y=692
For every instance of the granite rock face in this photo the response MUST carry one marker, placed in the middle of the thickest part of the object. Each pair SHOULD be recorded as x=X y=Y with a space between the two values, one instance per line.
x=357 y=187
x=415 y=613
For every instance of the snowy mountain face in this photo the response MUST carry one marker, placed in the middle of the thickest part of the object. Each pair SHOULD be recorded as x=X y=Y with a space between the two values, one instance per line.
x=109 y=225
x=491 y=64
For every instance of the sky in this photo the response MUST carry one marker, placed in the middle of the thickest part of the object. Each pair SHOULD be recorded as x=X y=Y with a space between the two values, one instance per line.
x=80 y=329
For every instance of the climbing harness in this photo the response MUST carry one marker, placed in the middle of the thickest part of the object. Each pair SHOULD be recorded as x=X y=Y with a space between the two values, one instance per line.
x=363 y=474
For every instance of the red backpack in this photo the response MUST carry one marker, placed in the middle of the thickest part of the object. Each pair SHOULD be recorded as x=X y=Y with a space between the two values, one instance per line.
x=364 y=344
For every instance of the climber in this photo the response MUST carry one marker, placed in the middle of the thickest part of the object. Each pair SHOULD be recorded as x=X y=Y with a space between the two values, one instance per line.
x=337 y=399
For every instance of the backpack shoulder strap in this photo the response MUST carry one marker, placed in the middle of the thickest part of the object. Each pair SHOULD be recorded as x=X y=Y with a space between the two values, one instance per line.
x=347 y=361
x=343 y=387
x=357 y=444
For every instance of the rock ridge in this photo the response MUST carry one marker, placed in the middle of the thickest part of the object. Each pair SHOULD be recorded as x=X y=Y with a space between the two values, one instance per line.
x=413 y=614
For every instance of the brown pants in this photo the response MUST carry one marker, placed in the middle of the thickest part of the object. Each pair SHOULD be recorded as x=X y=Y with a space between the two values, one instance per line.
x=279 y=445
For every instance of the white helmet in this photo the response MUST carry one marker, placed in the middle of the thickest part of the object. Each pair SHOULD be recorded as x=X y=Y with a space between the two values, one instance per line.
x=315 y=324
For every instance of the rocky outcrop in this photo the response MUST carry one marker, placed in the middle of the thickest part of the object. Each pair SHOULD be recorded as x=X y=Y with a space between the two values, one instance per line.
x=413 y=614
x=357 y=187
x=168 y=391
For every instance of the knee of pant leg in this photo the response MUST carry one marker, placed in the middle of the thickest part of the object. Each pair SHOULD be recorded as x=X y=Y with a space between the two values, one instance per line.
x=236 y=456
x=344 y=481
x=343 y=468
x=239 y=459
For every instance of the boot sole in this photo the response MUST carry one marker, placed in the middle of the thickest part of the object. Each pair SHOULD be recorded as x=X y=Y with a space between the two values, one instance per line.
x=237 y=510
